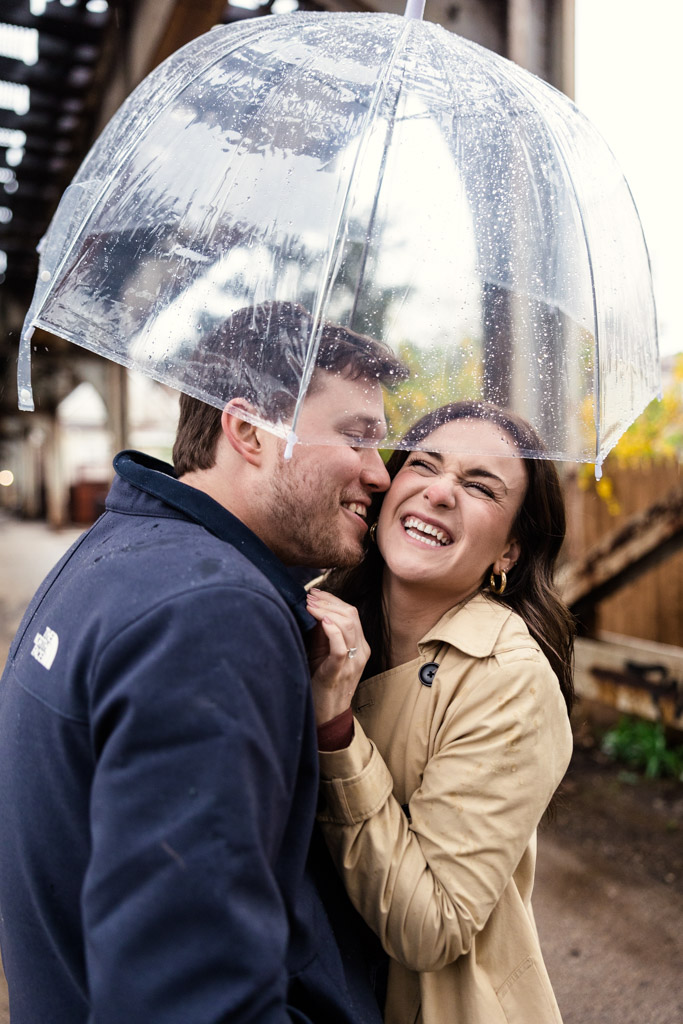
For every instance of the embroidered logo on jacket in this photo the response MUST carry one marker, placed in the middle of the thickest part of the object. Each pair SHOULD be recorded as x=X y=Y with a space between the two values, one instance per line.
x=45 y=647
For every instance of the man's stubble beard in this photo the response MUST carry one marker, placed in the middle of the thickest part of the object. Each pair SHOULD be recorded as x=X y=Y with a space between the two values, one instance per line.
x=306 y=518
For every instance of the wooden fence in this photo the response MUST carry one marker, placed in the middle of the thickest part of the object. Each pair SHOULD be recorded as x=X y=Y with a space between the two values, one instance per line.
x=651 y=607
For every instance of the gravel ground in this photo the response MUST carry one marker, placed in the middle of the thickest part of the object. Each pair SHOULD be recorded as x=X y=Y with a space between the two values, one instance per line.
x=609 y=896
x=609 y=888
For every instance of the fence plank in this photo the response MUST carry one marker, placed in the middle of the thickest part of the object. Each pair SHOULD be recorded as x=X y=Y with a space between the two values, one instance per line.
x=651 y=607
x=638 y=678
x=633 y=547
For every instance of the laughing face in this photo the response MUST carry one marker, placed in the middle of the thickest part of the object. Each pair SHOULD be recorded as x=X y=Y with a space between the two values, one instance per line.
x=449 y=515
x=320 y=498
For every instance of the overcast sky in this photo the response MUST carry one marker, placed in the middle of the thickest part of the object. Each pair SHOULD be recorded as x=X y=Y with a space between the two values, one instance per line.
x=629 y=83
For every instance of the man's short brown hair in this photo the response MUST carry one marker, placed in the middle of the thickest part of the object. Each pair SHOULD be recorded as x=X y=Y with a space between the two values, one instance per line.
x=258 y=354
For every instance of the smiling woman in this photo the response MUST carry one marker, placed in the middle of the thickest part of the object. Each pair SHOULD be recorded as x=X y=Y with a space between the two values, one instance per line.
x=433 y=790
x=449 y=521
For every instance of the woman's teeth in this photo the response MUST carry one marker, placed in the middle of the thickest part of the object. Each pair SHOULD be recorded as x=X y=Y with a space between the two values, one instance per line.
x=417 y=529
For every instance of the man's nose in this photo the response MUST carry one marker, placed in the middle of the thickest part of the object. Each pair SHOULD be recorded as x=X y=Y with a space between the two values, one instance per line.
x=374 y=473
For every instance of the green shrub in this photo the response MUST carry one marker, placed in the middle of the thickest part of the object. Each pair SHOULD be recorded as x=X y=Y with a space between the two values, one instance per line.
x=643 y=746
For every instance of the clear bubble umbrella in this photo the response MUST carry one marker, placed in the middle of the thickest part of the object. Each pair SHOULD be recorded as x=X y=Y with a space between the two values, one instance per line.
x=390 y=177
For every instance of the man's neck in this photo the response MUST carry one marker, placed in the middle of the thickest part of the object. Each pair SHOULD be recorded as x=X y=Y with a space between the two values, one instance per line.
x=235 y=495
x=215 y=486
x=203 y=480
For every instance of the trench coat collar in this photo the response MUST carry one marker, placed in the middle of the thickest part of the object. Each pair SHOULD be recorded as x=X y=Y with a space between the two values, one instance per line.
x=156 y=478
x=472 y=627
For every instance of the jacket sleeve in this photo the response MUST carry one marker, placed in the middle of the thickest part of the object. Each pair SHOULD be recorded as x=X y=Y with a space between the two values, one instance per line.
x=195 y=740
x=427 y=883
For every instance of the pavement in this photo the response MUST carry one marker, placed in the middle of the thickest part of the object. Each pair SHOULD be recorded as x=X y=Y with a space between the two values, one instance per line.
x=609 y=889
x=612 y=946
x=27 y=551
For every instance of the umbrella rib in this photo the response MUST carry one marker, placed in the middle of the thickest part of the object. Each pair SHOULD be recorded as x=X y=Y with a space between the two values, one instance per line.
x=333 y=261
x=24 y=362
x=597 y=377
x=521 y=84
x=259 y=115
x=134 y=141
x=373 y=212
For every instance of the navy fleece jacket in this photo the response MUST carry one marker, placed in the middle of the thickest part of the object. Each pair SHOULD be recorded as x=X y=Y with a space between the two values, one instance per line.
x=158 y=780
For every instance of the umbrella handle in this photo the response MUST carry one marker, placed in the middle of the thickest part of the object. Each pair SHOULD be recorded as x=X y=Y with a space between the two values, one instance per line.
x=25 y=391
x=414 y=9
x=291 y=441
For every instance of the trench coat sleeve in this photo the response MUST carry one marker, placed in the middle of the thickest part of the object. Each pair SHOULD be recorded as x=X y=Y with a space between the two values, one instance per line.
x=196 y=739
x=427 y=883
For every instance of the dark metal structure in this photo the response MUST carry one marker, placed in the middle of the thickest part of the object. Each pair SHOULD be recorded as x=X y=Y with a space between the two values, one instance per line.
x=55 y=63
x=55 y=58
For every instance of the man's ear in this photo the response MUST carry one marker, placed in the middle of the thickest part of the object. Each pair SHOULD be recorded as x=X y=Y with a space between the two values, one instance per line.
x=243 y=436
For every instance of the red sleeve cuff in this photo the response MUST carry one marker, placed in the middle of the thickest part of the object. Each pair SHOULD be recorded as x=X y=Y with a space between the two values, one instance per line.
x=337 y=733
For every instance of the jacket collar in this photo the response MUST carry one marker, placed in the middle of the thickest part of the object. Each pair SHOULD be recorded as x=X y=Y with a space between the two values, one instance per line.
x=473 y=627
x=156 y=478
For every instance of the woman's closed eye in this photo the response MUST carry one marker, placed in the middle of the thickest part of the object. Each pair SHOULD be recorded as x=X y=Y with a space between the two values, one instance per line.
x=417 y=463
x=476 y=485
x=471 y=480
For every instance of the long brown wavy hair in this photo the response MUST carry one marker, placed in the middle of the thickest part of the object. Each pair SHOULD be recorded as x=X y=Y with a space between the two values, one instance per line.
x=540 y=529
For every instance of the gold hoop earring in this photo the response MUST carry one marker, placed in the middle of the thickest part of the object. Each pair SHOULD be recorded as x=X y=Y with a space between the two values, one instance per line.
x=372 y=532
x=498 y=589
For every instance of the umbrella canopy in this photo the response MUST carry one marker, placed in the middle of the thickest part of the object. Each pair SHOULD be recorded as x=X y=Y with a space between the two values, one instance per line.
x=386 y=175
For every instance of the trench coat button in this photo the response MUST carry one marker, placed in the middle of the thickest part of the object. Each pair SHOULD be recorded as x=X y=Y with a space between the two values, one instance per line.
x=427 y=673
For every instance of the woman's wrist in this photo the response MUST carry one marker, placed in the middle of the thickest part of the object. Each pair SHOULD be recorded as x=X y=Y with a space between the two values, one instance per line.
x=330 y=703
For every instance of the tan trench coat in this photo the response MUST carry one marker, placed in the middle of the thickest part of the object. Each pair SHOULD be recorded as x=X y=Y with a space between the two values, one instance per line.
x=431 y=816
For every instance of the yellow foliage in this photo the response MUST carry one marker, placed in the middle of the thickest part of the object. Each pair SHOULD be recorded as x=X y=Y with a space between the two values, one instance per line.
x=656 y=434
x=450 y=376
x=605 y=491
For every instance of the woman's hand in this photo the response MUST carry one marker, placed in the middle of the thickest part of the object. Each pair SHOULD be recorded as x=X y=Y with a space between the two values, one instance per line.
x=334 y=673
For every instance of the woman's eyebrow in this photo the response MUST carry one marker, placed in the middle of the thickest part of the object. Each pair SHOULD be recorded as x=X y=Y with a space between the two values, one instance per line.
x=480 y=471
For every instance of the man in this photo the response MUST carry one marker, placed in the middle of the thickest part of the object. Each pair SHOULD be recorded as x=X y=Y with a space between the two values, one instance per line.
x=158 y=776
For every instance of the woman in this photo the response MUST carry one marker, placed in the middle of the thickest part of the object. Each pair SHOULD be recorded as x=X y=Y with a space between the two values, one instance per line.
x=460 y=732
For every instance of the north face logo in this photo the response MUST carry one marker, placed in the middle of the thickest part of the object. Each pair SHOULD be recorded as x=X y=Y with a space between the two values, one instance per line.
x=45 y=647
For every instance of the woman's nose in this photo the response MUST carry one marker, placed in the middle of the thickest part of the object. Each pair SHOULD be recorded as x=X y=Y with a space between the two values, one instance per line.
x=441 y=492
